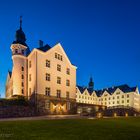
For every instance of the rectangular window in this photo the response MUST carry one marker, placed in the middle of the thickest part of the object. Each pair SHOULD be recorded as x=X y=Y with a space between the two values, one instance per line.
x=61 y=58
x=48 y=63
x=22 y=68
x=30 y=64
x=122 y=101
x=22 y=91
x=58 y=56
x=58 y=93
x=67 y=82
x=30 y=78
x=67 y=95
x=48 y=77
x=122 y=96
x=47 y=91
x=118 y=102
x=117 y=97
x=58 y=67
x=128 y=96
x=68 y=71
x=22 y=76
x=58 y=80
x=22 y=84
x=117 y=93
x=127 y=101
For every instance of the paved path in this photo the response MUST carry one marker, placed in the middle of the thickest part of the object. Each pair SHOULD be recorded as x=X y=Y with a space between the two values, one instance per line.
x=47 y=117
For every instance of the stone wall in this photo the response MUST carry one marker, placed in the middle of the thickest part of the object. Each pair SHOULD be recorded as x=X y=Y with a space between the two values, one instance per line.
x=16 y=111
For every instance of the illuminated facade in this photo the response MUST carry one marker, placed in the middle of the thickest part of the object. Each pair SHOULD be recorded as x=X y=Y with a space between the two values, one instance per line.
x=45 y=72
x=46 y=76
x=118 y=96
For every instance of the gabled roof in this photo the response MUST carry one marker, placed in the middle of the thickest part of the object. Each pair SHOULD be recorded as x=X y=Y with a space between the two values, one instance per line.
x=82 y=89
x=124 y=88
x=90 y=90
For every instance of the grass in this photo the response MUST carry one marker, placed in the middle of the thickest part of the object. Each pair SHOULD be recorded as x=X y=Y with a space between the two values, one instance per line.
x=74 y=129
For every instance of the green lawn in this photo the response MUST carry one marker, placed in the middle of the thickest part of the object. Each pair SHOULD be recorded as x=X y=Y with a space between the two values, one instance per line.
x=82 y=129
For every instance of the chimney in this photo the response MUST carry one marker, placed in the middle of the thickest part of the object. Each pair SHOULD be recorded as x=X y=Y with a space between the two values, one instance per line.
x=40 y=43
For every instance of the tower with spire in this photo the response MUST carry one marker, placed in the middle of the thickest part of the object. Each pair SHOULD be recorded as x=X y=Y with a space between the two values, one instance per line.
x=20 y=50
x=91 y=84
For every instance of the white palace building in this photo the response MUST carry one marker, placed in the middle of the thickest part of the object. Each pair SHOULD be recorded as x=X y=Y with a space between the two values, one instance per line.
x=46 y=74
x=113 y=97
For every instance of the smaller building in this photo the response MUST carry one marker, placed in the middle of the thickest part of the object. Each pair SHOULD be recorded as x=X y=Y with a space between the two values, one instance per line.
x=121 y=96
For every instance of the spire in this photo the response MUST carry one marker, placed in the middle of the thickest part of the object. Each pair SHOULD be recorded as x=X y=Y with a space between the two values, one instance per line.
x=20 y=36
x=91 y=83
x=20 y=22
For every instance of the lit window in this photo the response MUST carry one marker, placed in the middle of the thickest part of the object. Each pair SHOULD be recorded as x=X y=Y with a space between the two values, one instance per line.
x=58 y=93
x=67 y=82
x=68 y=71
x=67 y=95
x=30 y=64
x=58 y=80
x=58 y=67
x=48 y=77
x=47 y=91
x=48 y=63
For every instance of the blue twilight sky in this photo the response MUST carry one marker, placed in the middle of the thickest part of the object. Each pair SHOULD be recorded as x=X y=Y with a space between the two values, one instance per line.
x=101 y=37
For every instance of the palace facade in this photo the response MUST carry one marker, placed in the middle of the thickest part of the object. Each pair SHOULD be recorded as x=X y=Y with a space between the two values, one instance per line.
x=118 y=96
x=46 y=76
x=45 y=73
